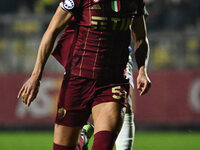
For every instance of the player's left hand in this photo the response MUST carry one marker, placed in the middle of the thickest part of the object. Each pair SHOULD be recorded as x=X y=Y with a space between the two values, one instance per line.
x=143 y=83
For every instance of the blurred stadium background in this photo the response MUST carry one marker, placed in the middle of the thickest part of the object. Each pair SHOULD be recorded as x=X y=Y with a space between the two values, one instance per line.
x=172 y=105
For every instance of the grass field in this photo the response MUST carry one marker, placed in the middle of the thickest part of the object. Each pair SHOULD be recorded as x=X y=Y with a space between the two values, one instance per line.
x=143 y=141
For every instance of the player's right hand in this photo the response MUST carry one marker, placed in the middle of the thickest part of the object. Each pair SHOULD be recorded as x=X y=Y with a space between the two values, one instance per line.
x=29 y=90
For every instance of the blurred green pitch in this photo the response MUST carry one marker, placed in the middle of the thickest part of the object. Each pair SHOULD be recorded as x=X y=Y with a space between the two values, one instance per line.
x=39 y=140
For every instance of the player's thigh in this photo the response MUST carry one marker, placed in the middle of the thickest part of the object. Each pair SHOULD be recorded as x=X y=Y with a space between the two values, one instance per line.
x=65 y=135
x=107 y=117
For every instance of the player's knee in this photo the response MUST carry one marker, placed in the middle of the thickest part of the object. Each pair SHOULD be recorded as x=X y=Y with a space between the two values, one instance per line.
x=107 y=117
x=67 y=136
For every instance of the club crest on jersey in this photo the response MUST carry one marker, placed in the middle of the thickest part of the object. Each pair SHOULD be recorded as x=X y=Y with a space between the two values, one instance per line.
x=61 y=113
x=95 y=1
x=116 y=6
x=68 y=4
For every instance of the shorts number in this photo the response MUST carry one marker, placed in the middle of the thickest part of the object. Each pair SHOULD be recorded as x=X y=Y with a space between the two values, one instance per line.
x=116 y=90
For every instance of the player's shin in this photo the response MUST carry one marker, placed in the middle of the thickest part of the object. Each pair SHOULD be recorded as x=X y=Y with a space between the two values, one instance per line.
x=104 y=140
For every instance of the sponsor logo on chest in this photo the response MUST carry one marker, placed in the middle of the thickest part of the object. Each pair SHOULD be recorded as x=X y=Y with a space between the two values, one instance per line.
x=113 y=23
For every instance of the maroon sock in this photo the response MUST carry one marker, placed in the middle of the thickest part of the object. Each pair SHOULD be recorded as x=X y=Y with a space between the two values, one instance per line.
x=104 y=140
x=60 y=147
x=78 y=147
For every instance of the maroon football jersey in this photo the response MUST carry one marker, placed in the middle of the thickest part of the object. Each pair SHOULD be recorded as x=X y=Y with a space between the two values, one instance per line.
x=63 y=50
x=100 y=38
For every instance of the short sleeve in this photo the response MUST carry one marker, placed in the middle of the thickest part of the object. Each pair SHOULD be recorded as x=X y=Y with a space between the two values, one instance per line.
x=70 y=5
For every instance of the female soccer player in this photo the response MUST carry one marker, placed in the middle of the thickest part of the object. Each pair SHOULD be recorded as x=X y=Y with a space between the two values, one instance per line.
x=94 y=82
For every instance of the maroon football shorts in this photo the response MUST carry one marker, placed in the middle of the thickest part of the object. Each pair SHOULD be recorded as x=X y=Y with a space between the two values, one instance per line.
x=78 y=95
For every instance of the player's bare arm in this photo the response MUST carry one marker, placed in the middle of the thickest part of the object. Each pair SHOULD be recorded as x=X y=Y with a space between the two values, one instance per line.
x=30 y=88
x=142 y=51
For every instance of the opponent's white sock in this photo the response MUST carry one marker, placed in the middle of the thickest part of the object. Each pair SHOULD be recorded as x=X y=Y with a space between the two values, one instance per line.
x=126 y=136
